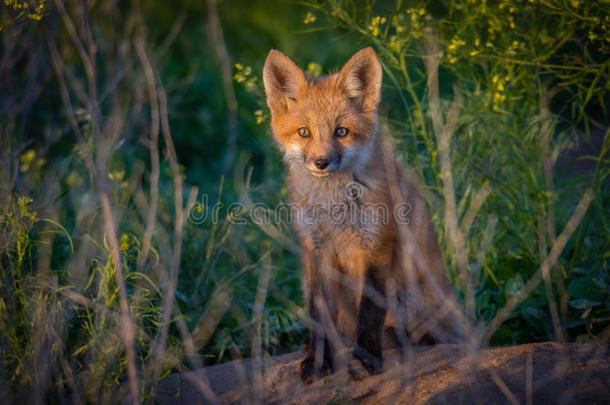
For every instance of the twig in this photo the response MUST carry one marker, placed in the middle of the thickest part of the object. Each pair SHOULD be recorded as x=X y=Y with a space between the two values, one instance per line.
x=88 y=58
x=171 y=36
x=503 y=387
x=443 y=130
x=550 y=260
x=412 y=259
x=128 y=332
x=154 y=152
x=65 y=96
x=476 y=203
x=98 y=173
x=227 y=81
x=257 y=316
x=201 y=383
x=168 y=299
x=547 y=163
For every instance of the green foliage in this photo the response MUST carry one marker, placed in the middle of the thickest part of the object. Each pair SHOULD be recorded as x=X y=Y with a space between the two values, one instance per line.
x=48 y=325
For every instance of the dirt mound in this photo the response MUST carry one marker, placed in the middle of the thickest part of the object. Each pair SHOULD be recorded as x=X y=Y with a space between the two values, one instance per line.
x=538 y=373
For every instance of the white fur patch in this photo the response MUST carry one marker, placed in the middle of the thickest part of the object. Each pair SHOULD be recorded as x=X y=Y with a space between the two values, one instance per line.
x=357 y=158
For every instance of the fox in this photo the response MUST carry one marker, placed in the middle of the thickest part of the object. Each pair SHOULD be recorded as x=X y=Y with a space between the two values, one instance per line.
x=373 y=275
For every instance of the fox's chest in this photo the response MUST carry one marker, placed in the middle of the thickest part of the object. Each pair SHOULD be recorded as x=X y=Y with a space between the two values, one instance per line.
x=341 y=217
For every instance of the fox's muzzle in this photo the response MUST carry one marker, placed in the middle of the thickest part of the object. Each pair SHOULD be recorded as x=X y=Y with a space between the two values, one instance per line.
x=322 y=166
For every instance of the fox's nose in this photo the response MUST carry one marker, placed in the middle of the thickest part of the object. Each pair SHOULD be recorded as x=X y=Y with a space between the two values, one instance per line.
x=321 y=163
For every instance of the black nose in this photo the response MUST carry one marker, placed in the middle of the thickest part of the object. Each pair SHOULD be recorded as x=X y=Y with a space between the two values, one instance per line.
x=321 y=163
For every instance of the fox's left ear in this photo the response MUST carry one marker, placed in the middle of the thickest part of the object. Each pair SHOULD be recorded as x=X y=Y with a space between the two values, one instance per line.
x=360 y=78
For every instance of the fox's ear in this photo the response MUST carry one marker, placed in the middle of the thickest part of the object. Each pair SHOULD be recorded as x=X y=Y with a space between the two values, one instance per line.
x=283 y=80
x=360 y=78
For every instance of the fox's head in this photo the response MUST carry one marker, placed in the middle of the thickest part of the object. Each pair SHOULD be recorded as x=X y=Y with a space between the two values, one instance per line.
x=324 y=125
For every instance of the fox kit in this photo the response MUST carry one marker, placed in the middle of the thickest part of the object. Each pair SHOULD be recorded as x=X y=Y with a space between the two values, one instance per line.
x=372 y=264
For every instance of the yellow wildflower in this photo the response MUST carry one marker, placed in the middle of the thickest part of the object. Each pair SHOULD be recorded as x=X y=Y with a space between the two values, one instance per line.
x=74 y=179
x=27 y=160
x=124 y=243
x=28 y=157
x=314 y=69
x=375 y=25
x=260 y=116
x=309 y=18
x=455 y=43
x=498 y=98
x=116 y=175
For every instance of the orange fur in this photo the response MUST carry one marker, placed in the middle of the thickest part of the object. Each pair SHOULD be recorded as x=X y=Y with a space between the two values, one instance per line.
x=345 y=215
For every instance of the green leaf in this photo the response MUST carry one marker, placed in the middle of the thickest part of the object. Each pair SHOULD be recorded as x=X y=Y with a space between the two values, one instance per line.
x=600 y=282
x=585 y=288
x=583 y=303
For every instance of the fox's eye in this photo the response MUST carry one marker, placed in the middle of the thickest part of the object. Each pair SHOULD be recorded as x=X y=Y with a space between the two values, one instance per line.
x=341 y=132
x=304 y=132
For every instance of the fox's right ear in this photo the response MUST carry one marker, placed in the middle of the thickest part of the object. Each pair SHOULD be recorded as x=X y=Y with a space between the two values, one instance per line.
x=283 y=80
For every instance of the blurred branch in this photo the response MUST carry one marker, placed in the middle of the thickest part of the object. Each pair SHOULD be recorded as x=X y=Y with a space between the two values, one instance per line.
x=154 y=151
x=217 y=36
x=510 y=397
x=550 y=260
x=65 y=96
x=200 y=381
x=412 y=259
x=128 y=329
x=257 y=318
x=168 y=299
x=476 y=203
x=444 y=130
x=87 y=58
x=548 y=162
x=172 y=35
x=98 y=172
x=242 y=188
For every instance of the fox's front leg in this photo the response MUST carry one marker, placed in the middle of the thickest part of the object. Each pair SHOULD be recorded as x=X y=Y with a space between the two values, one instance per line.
x=318 y=360
x=371 y=317
x=318 y=357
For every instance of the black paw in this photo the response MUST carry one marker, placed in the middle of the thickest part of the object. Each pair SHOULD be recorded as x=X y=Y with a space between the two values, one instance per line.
x=309 y=372
x=371 y=363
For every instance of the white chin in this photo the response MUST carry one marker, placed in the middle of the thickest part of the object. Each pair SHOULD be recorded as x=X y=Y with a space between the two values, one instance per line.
x=320 y=174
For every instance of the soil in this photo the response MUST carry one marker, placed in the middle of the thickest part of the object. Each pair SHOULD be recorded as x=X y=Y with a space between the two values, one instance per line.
x=537 y=373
